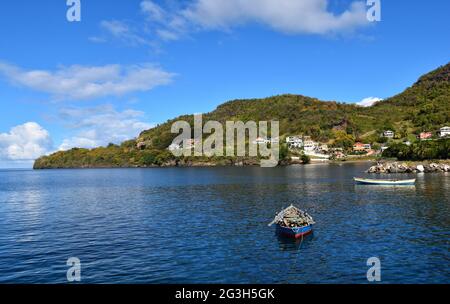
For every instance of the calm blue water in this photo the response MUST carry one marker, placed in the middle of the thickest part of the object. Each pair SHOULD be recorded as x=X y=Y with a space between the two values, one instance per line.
x=200 y=225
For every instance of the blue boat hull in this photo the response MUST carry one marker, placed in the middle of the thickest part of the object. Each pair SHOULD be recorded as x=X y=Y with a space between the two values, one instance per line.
x=296 y=233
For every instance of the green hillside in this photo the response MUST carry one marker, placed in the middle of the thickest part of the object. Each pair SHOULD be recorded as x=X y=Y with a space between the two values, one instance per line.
x=423 y=107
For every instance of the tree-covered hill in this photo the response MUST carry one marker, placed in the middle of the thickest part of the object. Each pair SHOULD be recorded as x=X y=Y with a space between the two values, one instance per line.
x=425 y=106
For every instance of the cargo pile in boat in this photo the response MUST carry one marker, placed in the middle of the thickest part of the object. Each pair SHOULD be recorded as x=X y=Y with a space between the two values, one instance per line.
x=293 y=217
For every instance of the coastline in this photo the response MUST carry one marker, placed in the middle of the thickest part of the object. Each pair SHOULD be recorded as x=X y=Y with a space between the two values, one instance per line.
x=213 y=164
x=377 y=166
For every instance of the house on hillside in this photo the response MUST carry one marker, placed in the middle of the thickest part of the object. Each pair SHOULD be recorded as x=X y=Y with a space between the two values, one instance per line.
x=337 y=153
x=360 y=147
x=389 y=134
x=445 y=131
x=294 y=142
x=324 y=148
x=310 y=145
x=425 y=135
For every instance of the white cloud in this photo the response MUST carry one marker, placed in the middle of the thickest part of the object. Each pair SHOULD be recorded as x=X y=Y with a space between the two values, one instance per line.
x=122 y=31
x=79 y=82
x=286 y=16
x=369 y=101
x=100 y=126
x=116 y=28
x=167 y=35
x=24 y=142
x=154 y=11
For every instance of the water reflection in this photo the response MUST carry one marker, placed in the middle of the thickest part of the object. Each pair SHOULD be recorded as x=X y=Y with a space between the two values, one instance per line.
x=385 y=188
x=293 y=245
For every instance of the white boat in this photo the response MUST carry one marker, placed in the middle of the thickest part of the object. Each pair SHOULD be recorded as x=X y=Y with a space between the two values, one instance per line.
x=390 y=182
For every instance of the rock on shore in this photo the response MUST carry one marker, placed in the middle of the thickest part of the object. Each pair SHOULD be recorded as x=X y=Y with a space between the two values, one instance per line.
x=397 y=167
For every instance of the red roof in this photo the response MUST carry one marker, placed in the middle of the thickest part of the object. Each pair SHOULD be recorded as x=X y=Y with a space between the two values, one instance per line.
x=425 y=135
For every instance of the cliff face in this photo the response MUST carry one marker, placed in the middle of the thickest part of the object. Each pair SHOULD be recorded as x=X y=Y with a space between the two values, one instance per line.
x=423 y=107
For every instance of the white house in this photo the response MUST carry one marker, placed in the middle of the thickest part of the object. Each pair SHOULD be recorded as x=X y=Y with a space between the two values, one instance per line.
x=324 y=148
x=445 y=131
x=310 y=146
x=294 y=142
x=389 y=134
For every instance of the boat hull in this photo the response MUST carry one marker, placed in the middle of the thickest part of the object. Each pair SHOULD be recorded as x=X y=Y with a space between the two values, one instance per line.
x=364 y=181
x=296 y=233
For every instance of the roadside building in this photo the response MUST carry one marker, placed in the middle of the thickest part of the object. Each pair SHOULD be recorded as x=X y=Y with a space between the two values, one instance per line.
x=425 y=135
x=445 y=131
x=337 y=153
x=294 y=142
x=324 y=148
x=360 y=147
x=310 y=146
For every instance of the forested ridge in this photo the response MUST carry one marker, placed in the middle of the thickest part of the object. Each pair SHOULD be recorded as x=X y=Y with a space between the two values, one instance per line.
x=425 y=106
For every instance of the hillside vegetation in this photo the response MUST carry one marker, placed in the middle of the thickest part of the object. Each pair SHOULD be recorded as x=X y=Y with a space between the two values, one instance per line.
x=425 y=106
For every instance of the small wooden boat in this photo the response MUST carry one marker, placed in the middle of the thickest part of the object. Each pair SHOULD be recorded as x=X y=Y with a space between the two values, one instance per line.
x=386 y=182
x=293 y=222
x=296 y=232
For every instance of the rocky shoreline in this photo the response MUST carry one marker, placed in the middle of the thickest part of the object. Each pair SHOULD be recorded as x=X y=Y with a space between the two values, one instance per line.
x=184 y=163
x=382 y=167
x=404 y=167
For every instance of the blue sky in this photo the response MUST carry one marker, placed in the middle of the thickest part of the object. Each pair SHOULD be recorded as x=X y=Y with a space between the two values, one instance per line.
x=129 y=64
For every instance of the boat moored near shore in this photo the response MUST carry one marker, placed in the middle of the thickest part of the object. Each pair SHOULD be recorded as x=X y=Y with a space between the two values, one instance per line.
x=387 y=182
